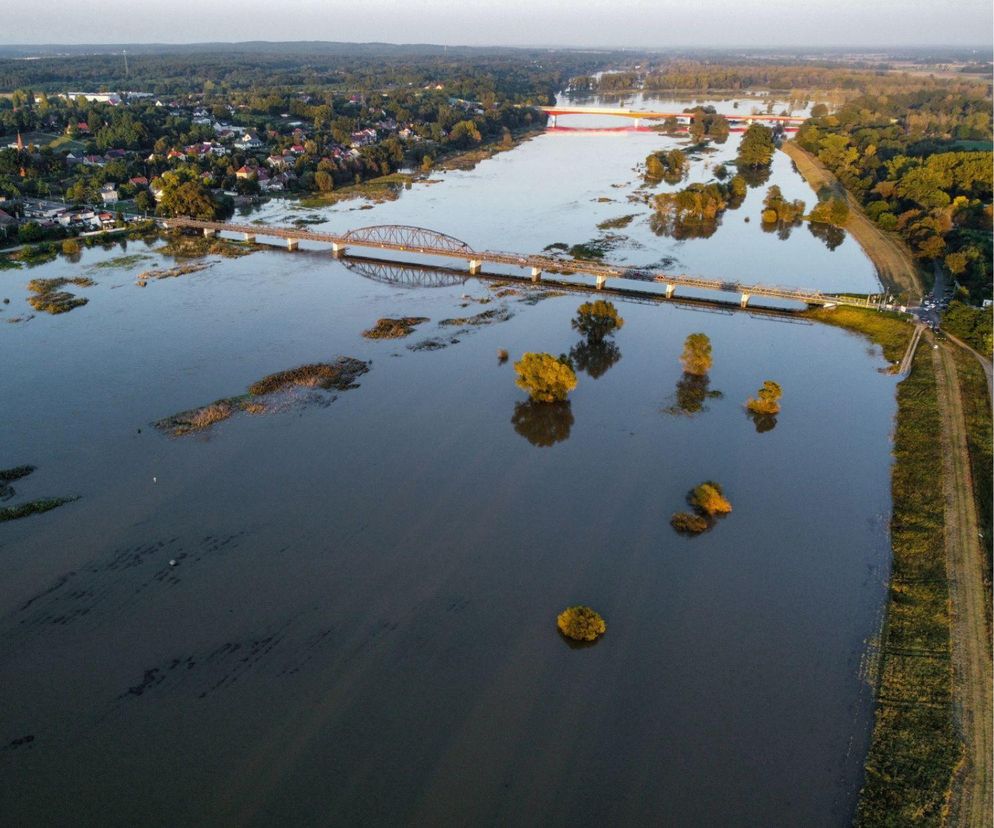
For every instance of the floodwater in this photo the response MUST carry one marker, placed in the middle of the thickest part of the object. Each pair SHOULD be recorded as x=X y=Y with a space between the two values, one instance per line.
x=359 y=625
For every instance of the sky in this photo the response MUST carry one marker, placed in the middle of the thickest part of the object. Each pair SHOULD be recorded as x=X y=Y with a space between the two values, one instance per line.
x=614 y=23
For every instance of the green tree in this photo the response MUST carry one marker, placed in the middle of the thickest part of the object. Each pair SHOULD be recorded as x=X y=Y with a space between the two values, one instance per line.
x=696 y=356
x=709 y=499
x=545 y=378
x=597 y=319
x=184 y=195
x=756 y=148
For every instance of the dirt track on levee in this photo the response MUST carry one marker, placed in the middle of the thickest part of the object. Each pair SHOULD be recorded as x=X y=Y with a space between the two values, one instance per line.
x=972 y=802
x=895 y=266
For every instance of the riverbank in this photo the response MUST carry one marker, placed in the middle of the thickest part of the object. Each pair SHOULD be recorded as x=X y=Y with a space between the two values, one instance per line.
x=914 y=748
x=896 y=269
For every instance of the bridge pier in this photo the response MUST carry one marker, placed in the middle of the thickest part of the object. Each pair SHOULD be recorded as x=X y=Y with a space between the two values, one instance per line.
x=474 y=266
x=536 y=274
x=209 y=233
x=292 y=244
x=744 y=300
x=248 y=238
x=338 y=249
x=670 y=290
x=601 y=281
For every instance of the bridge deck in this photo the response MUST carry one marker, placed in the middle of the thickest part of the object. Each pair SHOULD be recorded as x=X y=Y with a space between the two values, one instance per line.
x=601 y=270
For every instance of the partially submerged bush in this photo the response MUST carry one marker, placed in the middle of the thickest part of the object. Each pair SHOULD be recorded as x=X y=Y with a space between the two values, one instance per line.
x=394 y=328
x=340 y=374
x=767 y=399
x=33 y=507
x=708 y=502
x=50 y=299
x=545 y=377
x=8 y=476
x=687 y=523
x=709 y=499
x=580 y=623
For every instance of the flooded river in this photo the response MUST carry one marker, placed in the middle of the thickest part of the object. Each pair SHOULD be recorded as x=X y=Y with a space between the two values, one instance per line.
x=341 y=611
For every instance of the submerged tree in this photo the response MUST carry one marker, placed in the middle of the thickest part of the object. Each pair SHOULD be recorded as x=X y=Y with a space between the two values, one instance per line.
x=596 y=320
x=696 y=356
x=756 y=148
x=709 y=499
x=543 y=424
x=580 y=623
x=666 y=165
x=767 y=399
x=546 y=378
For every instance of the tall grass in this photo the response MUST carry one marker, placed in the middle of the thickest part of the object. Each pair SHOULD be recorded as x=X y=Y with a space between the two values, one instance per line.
x=892 y=331
x=914 y=748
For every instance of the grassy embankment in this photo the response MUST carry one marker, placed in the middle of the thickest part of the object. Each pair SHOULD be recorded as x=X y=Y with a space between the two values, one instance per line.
x=898 y=273
x=977 y=414
x=914 y=749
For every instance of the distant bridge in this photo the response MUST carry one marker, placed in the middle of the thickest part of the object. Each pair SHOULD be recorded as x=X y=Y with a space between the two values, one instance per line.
x=418 y=241
x=641 y=114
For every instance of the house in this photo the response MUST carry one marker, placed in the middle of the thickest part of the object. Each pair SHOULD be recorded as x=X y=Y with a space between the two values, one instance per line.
x=94 y=160
x=139 y=181
x=278 y=162
x=7 y=220
x=109 y=194
x=174 y=154
x=363 y=138
x=244 y=172
x=248 y=141
x=298 y=149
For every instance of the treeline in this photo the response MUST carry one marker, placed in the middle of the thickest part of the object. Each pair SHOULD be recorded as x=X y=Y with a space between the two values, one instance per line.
x=702 y=76
x=518 y=75
x=912 y=161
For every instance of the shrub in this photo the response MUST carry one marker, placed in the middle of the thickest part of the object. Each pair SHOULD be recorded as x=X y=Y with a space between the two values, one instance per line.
x=709 y=499
x=687 y=523
x=580 y=623
x=545 y=378
x=767 y=400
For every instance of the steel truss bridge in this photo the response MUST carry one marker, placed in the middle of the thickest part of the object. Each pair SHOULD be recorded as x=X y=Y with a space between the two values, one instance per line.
x=419 y=241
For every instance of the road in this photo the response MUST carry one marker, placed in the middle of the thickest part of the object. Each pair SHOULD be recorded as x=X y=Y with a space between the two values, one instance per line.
x=972 y=802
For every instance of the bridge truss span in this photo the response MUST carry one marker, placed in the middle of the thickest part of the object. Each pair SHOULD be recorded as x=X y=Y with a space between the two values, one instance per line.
x=405 y=237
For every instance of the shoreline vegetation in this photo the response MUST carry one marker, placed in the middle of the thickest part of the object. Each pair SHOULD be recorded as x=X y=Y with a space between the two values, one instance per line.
x=339 y=375
x=914 y=749
x=896 y=269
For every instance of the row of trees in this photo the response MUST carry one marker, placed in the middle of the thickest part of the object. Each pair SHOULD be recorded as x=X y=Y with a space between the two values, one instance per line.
x=909 y=161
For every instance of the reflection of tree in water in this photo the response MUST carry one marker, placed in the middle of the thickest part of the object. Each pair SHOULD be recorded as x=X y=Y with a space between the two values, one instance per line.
x=781 y=228
x=830 y=234
x=594 y=357
x=763 y=422
x=542 y=424
x=754 y=176
x=666 y=225
x=691 y=395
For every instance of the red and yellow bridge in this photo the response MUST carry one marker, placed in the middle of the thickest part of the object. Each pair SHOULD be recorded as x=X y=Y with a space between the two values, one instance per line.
x=648 y=115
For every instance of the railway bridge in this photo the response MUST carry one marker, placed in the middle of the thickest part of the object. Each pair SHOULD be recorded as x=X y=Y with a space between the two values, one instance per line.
x=415 y=242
